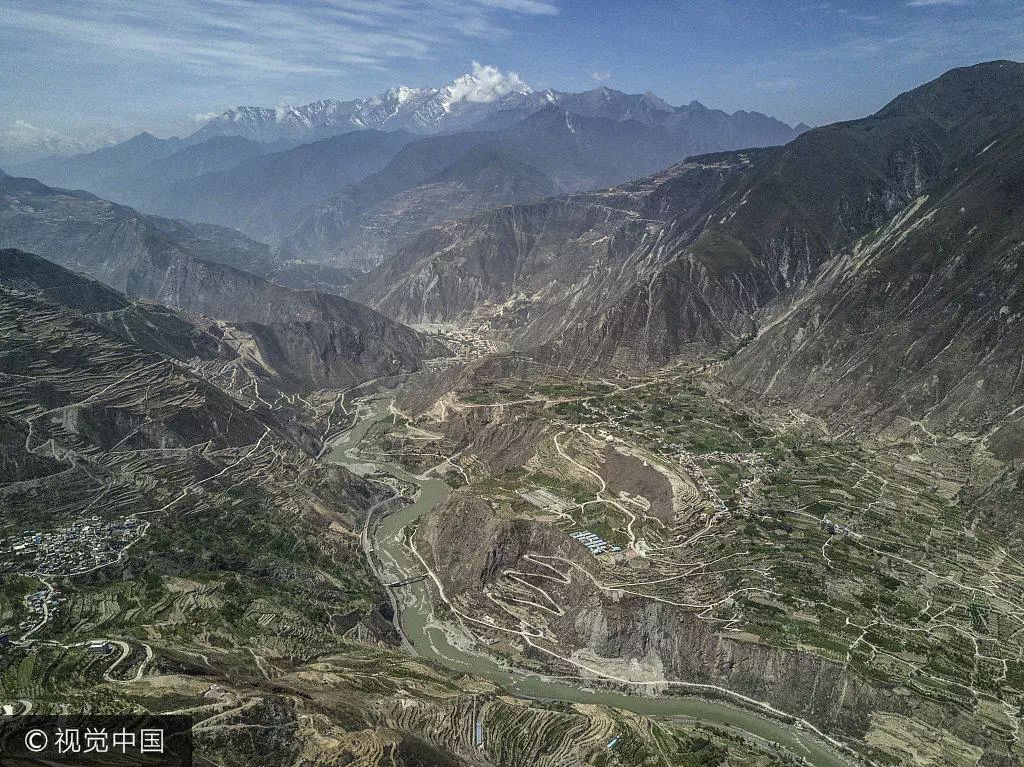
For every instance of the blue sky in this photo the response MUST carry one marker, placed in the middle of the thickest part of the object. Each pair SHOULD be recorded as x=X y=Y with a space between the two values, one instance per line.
x=126 y=65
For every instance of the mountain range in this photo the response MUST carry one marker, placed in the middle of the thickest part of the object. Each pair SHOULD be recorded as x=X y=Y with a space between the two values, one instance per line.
x=308 y=338
x=704 y=336
x=875 y=229
x=261 y=194
x=745 y=251
x=447 y=177
x=469 y=103
x=350 y=216
x=282 y=175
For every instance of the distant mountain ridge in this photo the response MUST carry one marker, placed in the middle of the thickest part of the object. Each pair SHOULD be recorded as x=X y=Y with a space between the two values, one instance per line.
x=484 y=98
x=310 y=340
x=22 y=142
x=648 y=109
x=457 y=105
x=260 y=194
x=429 y=182
x=451 y=176
x=277 y=174
x=562 y=150
x=898 y=233
x=471 y=103
x=102 y=168
x=310 y=198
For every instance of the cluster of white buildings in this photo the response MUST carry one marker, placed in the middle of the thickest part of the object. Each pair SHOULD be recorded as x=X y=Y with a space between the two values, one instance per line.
x=594 y=542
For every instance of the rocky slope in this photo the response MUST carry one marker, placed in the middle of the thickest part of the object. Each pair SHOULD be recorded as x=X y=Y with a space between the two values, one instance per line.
x=311 y=338
x=429 y=182
x=260 y=195
x=42 y=219
x=615 y=626
x=111 y=326
x=538 y=270
x=709 y=254
x=865 y=673
x=920 y=318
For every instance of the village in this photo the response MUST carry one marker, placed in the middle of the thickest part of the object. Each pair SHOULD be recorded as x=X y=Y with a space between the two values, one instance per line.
x=78 y=548
x=465 y=346
x=83 y=545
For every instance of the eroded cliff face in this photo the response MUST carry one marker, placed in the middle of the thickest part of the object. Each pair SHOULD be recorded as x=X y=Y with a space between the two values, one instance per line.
x=689 y=648
x=312 y=340
x=718 y=250
x=472 y=550
x=639 y=273
x=921 y=319
x=489 y=545
x=536 y=267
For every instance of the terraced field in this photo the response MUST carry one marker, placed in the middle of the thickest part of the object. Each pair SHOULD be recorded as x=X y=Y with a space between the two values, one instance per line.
x=865 y=554
x=172 y=540
x=234 y=525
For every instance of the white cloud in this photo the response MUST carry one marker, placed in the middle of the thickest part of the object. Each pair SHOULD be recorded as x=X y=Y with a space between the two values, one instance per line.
x=268 y=38
x=486 y=84
x=600 y=76
x=534 y=7
x=22 y=132
x=21 y=140
x=934 y=3
x=202 y=117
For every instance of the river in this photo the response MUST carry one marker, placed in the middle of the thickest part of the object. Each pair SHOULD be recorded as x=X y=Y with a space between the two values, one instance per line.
x=427 y=638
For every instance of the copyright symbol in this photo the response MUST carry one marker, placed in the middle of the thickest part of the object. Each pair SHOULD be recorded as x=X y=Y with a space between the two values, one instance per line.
x=36 y=741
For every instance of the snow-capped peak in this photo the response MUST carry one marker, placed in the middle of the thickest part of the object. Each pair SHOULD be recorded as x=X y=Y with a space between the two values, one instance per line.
x=404 y=93
x=422 y=110
x=484 y=85
x=282 y=112
x=21 y=141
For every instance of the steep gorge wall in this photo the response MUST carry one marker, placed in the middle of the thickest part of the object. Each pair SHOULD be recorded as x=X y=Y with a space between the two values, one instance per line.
x=470 y=548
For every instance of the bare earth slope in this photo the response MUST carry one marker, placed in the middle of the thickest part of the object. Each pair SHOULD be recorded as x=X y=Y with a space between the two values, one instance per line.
x=315 y=338
x=870 y=230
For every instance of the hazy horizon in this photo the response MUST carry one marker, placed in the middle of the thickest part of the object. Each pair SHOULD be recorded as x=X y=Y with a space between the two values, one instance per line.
x=166 y=69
